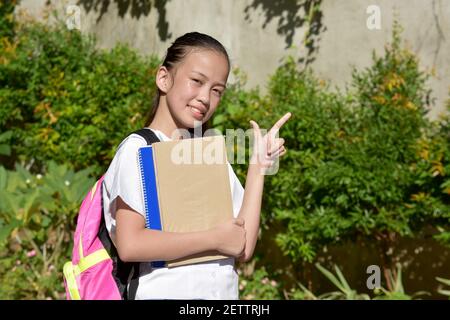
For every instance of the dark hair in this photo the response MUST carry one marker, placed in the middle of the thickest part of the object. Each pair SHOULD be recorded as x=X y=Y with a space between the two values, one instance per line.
x=176 y=53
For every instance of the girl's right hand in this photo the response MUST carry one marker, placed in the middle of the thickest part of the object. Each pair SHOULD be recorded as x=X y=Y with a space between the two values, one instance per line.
x=230 y=237
x=267 y=148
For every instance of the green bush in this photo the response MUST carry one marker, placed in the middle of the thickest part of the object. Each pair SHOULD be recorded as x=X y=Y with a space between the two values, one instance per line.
x=7 y=18
x=65 y=100
x=358 y=172
x=37 y=221
x=433 y=174
x=257 y=285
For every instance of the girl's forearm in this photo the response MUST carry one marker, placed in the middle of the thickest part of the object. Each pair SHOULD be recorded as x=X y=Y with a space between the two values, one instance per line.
x=154 y=245
x=134 y=242
x=251 y=207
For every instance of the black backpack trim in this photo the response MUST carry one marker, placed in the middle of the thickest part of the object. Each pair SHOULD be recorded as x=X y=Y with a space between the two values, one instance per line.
x=148 y=135
x=124 y=273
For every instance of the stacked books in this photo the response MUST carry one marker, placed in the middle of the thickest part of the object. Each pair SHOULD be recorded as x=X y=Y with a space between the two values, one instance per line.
x=186 y=188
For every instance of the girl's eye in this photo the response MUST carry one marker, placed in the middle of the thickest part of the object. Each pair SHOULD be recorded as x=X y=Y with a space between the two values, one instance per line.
x=217 y=92
x=197 y=81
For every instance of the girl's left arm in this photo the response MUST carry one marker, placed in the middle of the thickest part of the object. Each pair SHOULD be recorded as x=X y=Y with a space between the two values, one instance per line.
x=251 y=209
x=266 y=150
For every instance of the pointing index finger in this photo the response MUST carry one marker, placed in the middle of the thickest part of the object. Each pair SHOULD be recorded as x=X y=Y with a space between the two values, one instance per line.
x=280 y=122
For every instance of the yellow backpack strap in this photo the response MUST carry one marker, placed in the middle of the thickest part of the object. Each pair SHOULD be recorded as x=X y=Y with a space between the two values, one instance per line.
x=71 y=282
x=94 y=188
x=72 y=271
x=91 y=260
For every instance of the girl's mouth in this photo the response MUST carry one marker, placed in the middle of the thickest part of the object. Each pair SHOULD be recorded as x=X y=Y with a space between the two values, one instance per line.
x=197 y=113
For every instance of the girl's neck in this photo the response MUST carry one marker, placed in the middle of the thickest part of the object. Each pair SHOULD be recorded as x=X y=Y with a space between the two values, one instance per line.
x=163 y=121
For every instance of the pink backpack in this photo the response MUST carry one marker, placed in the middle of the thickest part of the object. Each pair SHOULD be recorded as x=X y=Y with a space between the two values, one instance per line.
x=91 y=264
x=95 y=271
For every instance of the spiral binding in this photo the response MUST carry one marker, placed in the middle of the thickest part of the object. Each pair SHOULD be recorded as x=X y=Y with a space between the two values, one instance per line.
x=143 y=188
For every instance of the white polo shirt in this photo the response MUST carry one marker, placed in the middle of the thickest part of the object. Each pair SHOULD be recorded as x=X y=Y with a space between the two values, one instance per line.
x=210 y=280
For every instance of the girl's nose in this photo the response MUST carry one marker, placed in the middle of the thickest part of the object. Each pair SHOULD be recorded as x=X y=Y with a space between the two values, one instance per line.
x=203 y=96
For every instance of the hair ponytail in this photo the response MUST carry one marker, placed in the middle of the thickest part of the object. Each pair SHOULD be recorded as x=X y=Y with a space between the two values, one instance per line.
x=152 y=112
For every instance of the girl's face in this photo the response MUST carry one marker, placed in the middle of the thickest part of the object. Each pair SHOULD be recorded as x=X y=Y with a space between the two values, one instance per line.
x=196 y=86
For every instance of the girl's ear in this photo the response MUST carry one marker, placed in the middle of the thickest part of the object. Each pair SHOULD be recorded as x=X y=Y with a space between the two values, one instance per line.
x=163 y=79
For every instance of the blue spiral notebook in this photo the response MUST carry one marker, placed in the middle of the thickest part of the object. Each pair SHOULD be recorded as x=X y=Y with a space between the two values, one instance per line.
x=151 y=207
x=186 y=188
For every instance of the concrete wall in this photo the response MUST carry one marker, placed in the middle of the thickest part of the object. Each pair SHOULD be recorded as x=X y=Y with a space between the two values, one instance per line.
x=259 y=33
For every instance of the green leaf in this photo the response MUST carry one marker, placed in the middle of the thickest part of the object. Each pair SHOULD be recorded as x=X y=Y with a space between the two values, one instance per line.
x=5 y=136
x=443 y=280
x=5 y=230
x=5 y=150
x=218 y=120
x=3 y=178
x=330 y=277
x=342 y=279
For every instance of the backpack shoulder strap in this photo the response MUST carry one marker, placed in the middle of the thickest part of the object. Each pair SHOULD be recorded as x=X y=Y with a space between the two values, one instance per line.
x=148 y=135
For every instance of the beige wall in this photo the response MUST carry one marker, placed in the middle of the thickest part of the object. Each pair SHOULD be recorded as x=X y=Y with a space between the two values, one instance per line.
x=345 y=40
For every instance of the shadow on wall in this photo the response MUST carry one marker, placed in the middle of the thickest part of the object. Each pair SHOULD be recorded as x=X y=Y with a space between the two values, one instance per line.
x=291 y=15
x=136 y=8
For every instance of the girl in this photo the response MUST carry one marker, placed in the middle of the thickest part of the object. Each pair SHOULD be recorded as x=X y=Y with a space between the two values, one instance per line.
x=190 y=83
